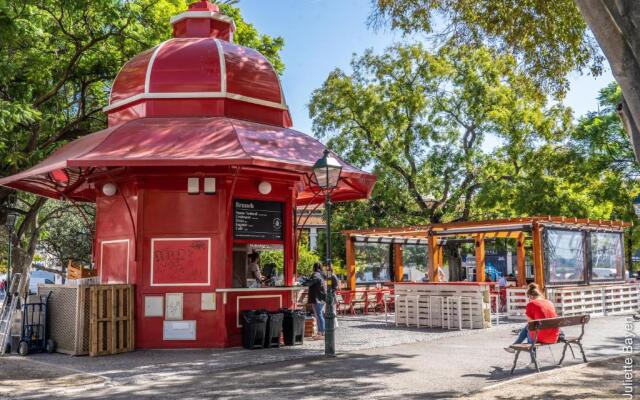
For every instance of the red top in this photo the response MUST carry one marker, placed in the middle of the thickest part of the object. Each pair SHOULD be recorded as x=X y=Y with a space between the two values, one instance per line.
x=195 y=142
x=543 y=309
x=199 y=72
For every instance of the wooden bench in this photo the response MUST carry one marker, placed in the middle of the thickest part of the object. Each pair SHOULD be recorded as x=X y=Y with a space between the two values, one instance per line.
x=535 y=325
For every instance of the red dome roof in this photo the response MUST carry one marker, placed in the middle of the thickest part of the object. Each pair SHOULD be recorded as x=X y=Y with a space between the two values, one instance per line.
x=199 y=72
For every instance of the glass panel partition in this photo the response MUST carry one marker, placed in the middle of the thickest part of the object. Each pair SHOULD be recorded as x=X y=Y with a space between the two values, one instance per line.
x=607 y=258
x=414 y=262
x=372 y=262
x=564 y=256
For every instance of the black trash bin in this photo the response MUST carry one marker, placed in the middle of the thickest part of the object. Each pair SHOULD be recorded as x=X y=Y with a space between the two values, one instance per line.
x=293 y=327
x=274 y=327
x=254 y=326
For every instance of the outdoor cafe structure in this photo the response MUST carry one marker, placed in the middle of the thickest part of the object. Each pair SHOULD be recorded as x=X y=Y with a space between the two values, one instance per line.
x=579 y=262
x=198 y=167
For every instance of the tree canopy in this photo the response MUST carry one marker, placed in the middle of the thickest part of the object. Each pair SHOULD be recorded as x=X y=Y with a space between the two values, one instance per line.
x=419 y=119
x=550 y=38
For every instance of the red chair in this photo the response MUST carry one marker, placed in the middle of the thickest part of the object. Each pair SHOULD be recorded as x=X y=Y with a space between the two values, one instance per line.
x=344 y=304
x=371 y=301
x=358 y=301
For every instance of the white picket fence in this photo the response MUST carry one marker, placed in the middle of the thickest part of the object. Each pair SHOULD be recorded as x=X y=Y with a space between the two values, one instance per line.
x=442 y=306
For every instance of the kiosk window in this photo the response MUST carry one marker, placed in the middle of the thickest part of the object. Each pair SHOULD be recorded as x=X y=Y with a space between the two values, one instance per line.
x=607 y=259
x=564 y=254
x=256 y=260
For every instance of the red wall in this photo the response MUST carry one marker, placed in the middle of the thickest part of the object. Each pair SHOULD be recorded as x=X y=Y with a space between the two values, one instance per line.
x=165 y=213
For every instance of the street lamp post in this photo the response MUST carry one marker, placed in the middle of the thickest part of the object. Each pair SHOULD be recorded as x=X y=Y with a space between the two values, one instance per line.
x=10 y=223
x=327 y=173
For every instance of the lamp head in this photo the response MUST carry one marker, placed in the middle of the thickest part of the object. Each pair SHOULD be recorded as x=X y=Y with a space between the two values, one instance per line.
x=327 y=171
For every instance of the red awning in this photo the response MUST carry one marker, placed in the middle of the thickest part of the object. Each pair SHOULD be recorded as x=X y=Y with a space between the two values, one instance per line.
x=162 y=142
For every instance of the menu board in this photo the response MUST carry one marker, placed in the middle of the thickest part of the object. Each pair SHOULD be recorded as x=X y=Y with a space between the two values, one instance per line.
x=254 y=219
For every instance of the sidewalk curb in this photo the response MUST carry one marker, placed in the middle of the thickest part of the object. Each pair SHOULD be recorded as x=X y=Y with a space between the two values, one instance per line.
x=539 y=375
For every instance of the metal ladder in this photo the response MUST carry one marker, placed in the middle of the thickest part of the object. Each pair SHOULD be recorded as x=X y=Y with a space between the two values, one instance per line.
x=8 y=309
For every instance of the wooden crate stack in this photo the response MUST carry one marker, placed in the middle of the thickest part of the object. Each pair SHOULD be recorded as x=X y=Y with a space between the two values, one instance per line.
x=309 y=327
x=76 y=270
x=112 y=319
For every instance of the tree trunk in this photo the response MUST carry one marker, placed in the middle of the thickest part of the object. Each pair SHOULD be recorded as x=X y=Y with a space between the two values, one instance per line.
x=616 y=26
x=454 y=261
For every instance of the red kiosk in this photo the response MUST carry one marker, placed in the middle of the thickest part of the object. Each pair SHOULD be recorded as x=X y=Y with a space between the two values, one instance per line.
x=197 y=168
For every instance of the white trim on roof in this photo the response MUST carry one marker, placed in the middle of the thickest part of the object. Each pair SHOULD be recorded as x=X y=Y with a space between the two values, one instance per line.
x=195 y=95
x=203 y=14
x=223 y=66
x=147 y=78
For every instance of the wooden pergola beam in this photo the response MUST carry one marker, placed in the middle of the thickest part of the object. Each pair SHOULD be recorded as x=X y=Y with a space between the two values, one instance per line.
x=432 y=249
x=521 y=275
x=538 y=266
x=350 y=261
x=480 y=258
x=397 y=262
x=421 y=230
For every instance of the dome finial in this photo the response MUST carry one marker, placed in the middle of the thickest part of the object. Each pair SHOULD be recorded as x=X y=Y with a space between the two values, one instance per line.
x=203 y=19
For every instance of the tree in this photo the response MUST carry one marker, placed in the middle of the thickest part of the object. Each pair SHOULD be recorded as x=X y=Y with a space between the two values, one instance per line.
x=591 y=174
x=68 y=234
x=58 y=59
x=550 y=38
x=420 y=119
x=615 y=26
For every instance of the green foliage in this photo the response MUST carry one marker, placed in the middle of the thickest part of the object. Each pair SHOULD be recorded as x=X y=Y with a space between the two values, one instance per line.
x=549 y=38
x=419 y=119
x=306 y=259
x=590 y=174
x=67 y=236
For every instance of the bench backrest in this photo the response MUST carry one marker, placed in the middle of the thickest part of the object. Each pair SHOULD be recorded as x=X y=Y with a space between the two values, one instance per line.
x=558 y=322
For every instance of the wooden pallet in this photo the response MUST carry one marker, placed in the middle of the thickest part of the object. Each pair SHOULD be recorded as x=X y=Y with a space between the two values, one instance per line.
x=112 y=319
x=611 y=299
x=427 y=311
x=309 y=327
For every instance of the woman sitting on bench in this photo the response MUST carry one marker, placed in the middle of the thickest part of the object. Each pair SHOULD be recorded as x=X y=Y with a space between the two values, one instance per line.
x=538 y=308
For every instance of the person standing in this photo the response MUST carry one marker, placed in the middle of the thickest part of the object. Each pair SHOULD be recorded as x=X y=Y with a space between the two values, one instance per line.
x=333 y=284
x=253 y=270
x=317 y=296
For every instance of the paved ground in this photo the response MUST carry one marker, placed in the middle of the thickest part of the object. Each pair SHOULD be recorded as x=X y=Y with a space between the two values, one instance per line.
x=412 y=364
x=596 y=380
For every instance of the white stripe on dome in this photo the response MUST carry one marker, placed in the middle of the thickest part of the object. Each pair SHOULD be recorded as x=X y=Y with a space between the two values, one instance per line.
x=195 y=95
x=147 y=78
x=203 y=14
x=223 y=66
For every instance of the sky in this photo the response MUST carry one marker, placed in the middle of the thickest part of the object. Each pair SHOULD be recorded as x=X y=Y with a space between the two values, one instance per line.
x=321 y=35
